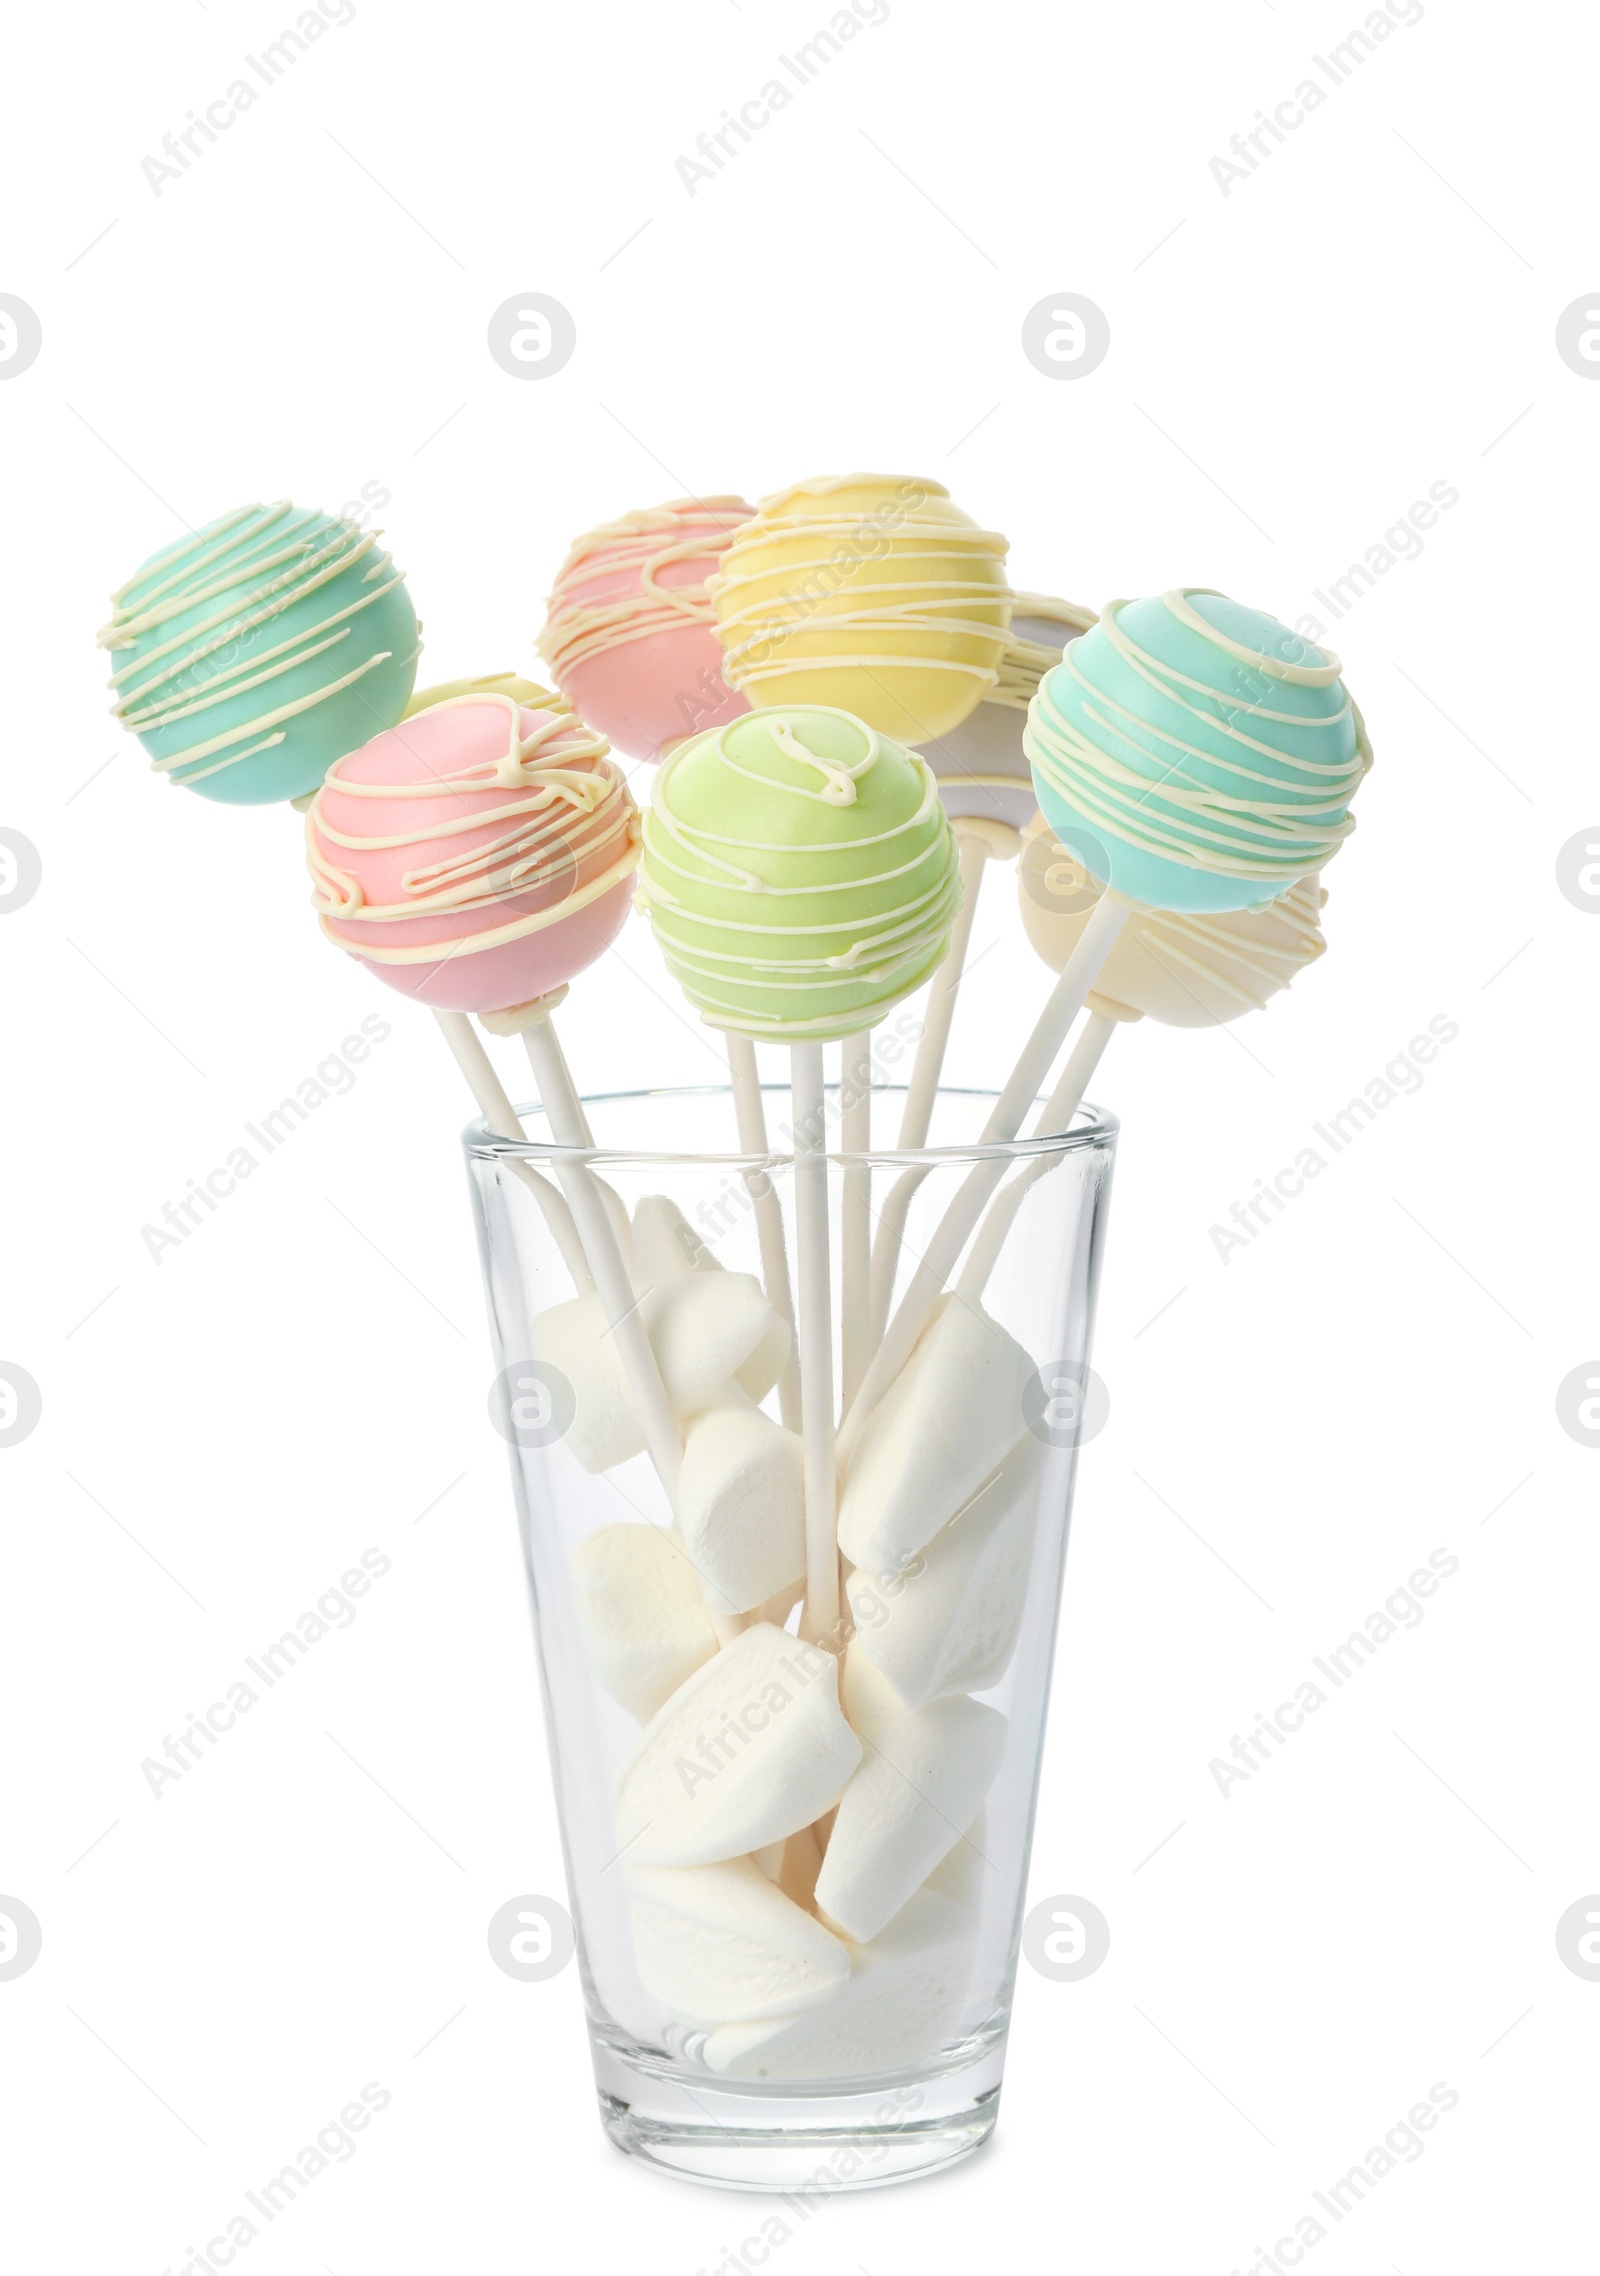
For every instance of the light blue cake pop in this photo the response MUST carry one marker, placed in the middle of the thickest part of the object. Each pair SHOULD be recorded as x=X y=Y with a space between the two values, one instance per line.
x=1196 y=755
x=253 y=653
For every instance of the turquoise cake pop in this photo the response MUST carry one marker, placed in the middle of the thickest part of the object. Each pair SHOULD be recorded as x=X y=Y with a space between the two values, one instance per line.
x=1196 y=755
x=254 y=652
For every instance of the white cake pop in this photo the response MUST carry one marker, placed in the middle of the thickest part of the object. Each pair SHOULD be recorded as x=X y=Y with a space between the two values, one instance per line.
x=980 y=766
x=1182 y=970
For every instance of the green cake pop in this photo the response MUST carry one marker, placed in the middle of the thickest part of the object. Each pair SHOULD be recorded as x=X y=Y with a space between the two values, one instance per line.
x=799 y=872
x=801 y=876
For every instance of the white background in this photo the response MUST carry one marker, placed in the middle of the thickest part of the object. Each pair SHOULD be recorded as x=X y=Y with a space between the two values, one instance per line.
x=1371 y=311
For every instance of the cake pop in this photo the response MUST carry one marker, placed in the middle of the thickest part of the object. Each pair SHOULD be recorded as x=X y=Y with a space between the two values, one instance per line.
x=628 y=634
x=254 y=652
x=800 y=874
x=869 y=592
x=476 y=857
x=1194 y=755
x=1179 y=970
x=982 y=770
x=1197 y=755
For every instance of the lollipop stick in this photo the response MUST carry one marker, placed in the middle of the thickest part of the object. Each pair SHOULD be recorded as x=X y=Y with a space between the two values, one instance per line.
x=567 y=1123
x=752 y=1119
x=951 y=1234
x=855 y=1220
x=886 y=1249
x=1064 y=1101
x=939 y=1010
x=512 y=1021
x=978 y=844
x=1055 y=1115
x=820 y=1617
x=501 y=1117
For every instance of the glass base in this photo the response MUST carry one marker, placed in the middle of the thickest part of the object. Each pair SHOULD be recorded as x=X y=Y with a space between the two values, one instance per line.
x=795 y=2141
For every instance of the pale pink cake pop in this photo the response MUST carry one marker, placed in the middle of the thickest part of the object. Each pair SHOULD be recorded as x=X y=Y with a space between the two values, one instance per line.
x=629 y=631
x=476 y=856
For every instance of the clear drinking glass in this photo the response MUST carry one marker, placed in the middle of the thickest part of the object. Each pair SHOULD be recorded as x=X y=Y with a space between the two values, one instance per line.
x=886 y=2062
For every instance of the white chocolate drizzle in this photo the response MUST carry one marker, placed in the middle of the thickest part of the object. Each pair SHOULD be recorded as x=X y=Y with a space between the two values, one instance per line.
x=566 y=803
x=886 y=942
x=821 y=555
x=252 y=580
x=1230 y=957
x=1262 y=828
x=641 y=543
x=1026 y=661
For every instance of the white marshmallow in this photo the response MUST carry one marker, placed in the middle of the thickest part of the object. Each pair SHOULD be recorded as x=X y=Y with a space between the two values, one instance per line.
x=719 y=1943
x=965 y=1875
x=640 y=1613
x=750 y=1749
x=950 y=1622
x=742 y=1501
x=703 y=1327
x=950 y=1417
x=903 y=1999
x=756 y=1376
x=665 y=1244
x=925 y=1772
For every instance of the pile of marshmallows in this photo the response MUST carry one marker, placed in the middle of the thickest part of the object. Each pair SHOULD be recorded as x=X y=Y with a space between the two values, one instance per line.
x=851 y=715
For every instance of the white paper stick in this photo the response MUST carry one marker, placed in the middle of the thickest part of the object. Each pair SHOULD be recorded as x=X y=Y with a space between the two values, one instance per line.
x=923 y=1087
x=855 y=1214
x=886 y=1250
x=566 y=1119
x=501 y=1117
x=1055 y=1115
x=751 y=1114
x=819 y=1620
x=980 y=841
x=950 y=1236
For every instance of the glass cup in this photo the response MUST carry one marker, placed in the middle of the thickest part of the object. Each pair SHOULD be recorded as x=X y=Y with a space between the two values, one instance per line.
x=796 y=1864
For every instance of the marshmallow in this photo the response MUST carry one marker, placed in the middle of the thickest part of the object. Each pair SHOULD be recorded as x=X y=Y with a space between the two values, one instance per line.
x=719 y=1944
x=926 y=1771
x=949 y=1418
x=750 y=1749
x=703 y=1327
x=761 y=1370
x=968 y=1870
x=665 y=1244
x=640 y=1613
x=742 y=1501
x=903 y=1999
x=950 y=1623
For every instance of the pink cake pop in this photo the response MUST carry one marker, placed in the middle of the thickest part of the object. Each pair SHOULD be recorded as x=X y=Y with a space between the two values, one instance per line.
x=477 y=855
x=629 y=631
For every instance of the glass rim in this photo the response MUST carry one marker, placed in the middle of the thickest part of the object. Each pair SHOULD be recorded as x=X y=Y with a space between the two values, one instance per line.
x=1092 y=1129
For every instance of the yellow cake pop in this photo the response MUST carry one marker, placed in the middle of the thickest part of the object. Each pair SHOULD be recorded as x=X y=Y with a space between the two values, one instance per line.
x=867 y=593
